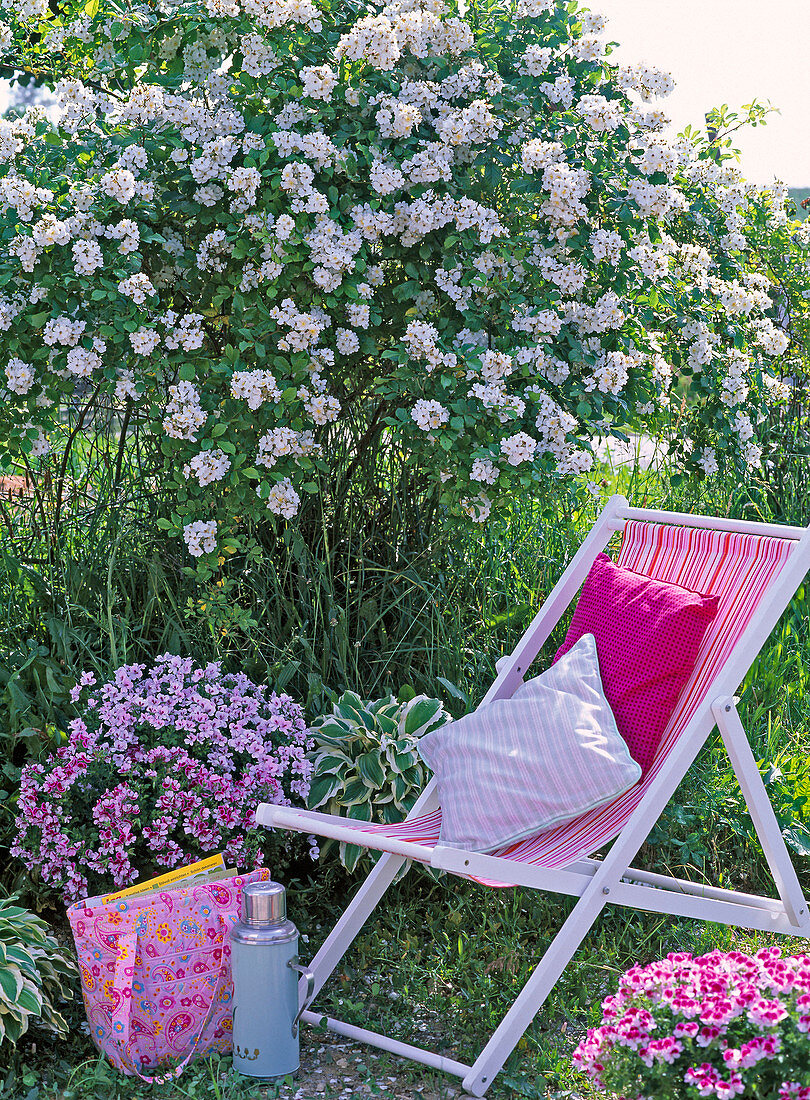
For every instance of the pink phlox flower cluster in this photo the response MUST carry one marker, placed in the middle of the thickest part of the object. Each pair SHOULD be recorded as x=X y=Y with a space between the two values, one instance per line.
x=167 y=763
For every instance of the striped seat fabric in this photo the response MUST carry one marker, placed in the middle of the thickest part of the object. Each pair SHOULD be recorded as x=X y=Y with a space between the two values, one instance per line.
x=739 y=569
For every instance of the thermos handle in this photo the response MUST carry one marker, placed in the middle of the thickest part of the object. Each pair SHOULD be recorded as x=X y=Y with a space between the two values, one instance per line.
x=310 y=993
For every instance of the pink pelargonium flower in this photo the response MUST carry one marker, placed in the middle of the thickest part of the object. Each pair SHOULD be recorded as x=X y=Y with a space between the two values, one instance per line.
x=660 y=1050
x=721 y=1021
x=766 y=1012
x=792 y=1090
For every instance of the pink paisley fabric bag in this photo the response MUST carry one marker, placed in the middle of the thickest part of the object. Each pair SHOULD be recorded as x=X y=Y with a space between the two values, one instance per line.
x=156 y=974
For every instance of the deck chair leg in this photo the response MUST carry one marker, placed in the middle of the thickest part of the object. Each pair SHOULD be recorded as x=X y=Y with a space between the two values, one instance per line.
x=759 y=806
x=355 y=916
x=545 y=976
x=364 y=902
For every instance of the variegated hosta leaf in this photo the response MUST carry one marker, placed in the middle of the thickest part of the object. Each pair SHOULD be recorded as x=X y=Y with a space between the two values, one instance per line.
x=35 y=974
x=54 y=1021
x=391 y=813
x=401 y=790
x=8 y=919
x=350 y=855
x=366 y=764
x=330 y=762
x=422 y=714
x=24 y=958
x=332 y=730
x=404 y=762
x=15 y=1025
x=360 y=812
x=370 y=770
x=30 y=999
x=354 y=792
x=11 y=983
x=351 y=706
x=322 y=788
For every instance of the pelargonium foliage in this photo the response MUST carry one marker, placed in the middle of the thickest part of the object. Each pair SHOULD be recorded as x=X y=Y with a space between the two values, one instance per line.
x=166 y=765
x=285 y=230
x=721 y=1025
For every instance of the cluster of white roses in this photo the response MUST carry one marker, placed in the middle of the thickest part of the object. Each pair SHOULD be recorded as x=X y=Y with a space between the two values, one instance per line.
x=404 y=223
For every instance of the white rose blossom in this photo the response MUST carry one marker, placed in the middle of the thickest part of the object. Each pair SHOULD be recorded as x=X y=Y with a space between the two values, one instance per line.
x=329 y=259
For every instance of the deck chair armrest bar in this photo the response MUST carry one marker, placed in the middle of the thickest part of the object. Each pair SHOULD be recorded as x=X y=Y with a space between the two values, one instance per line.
x=570 y=880
x=443 y=858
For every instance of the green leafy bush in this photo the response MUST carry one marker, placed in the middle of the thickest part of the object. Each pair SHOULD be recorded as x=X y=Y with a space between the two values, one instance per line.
x=366 y=761
x=305 y=248
x=35 y=973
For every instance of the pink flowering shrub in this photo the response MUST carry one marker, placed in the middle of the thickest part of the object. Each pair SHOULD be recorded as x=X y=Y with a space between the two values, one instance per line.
x=166 y=765
x=722 y=1025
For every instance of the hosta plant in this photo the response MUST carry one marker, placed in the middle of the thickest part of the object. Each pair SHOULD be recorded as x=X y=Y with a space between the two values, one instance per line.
x=366 y=764
x=35 y=974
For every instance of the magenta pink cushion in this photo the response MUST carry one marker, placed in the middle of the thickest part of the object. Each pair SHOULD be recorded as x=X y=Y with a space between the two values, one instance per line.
x=647 y=636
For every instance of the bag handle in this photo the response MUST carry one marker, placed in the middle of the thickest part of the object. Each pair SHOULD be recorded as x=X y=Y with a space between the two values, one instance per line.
x=123 y=979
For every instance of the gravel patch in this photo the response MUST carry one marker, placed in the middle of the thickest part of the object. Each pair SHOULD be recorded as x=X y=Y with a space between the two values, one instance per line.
x=333 y=1068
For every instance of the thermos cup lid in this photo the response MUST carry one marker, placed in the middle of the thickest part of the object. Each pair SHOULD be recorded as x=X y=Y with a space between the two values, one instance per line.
x=264 y=903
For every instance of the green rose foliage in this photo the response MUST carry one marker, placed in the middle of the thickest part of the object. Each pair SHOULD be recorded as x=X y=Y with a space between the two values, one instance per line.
x=287 y=234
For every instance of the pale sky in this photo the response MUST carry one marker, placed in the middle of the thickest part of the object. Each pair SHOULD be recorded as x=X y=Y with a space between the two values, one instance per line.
x=728 y=51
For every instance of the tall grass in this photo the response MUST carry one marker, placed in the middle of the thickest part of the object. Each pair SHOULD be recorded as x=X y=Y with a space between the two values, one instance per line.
x=362 y=594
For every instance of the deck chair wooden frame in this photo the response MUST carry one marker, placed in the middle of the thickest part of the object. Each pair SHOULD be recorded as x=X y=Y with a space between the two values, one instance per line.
x=595 y=883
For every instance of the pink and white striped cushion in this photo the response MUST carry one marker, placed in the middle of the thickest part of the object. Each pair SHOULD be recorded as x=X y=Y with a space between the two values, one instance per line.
x=738 y=568
x=520 y=765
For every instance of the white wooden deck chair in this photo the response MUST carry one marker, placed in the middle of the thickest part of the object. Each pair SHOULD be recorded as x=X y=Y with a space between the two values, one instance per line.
x=755 y=569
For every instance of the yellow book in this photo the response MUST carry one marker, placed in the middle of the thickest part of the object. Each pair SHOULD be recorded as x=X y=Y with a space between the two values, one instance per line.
x=205 y=868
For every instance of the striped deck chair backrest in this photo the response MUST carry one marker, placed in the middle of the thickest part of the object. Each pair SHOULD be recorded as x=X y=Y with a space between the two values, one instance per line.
x=739 y=568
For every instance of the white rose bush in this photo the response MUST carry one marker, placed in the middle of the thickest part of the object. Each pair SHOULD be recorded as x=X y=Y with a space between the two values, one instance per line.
x=296 y=236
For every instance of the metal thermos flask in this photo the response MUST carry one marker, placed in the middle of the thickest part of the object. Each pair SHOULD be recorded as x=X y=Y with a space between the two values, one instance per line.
x=264 y=962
